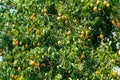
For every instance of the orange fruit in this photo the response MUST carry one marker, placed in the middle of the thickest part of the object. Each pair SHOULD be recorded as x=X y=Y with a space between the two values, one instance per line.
x=13 y=77
x=101 y=36
x=36 y=65
x=95 y=9
x=118 y=24
x=30 y=28
x=43 y=65
x=38 y=44
x=87 y=36
x=33 y=16
x=37 y=32
x=115 y=73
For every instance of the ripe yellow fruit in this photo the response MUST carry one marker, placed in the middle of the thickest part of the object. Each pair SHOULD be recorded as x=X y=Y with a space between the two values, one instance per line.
x=96 y=72
x=113 y=61
x=105 y=2
x=32 y=63
x=15 y=42
x=75 y=21
x=113 y=22
x=68 y=42
x=107 y=5
x=63 y=17
x=91 y=4
x=44 y=10
x=13 y=77
x=83 y=53
x=20 y=43
x=115 y=73
x=58 y=18
x=81 y=37
x=82 y=56
x=98 y=2
x=15 y=62
x=59 y=14
x=83 y=33
x=82 y=0
x=95 y=9
x=87 y=32
x=101 y=36
x=19 y=69
x=119 y=52
x=0 y=54
x=59 y=42
x=45 y=14
x=69 y=32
